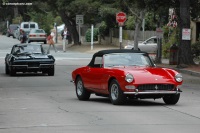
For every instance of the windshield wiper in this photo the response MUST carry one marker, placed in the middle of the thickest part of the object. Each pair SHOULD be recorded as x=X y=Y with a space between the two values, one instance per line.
x=115 y=65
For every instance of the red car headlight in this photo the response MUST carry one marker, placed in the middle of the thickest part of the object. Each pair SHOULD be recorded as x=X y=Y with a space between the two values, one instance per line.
x=129 y=78
x=178 y=77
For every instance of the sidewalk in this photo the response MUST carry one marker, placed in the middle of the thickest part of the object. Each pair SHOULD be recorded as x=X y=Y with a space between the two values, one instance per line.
x=193 y=70
x=86 y=48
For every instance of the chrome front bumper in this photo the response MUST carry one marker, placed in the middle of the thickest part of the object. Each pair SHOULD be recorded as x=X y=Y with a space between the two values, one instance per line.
x=146 y=92
x=30 y=67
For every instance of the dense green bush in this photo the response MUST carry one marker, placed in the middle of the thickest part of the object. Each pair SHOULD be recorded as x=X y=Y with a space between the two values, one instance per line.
x=45 y=21
x=170 y=37
x=3 y=28
x=130 y=23
x=95 y=35
x=17 y=20
x=102 y=29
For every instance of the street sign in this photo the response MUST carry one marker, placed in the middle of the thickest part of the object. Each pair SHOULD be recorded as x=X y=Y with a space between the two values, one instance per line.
x=186 y=33
x=159 y=32
x=79 y=19
x=121 y=17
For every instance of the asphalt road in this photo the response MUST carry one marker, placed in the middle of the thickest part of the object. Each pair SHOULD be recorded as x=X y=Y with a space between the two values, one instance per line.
x=36 y=103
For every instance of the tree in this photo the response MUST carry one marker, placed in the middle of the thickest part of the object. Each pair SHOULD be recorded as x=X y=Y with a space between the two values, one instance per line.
x=186 y=9
x=136 y=8
x=139 y=8
x=68 y=9
x=185 y=56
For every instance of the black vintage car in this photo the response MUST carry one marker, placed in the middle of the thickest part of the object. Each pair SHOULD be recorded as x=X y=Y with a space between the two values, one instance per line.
x=29 y=58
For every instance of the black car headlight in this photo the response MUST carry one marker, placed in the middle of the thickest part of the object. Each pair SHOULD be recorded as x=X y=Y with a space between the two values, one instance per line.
x=129 y=78
x=178 y=77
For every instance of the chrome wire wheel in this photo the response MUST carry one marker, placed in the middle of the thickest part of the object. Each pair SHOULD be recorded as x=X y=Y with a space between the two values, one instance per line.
x=116 y=95
x=81 y=91
x=79 y=88
x=114 y=92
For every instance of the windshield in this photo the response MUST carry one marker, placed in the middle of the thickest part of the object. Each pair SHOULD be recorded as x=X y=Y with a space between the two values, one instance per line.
x=27 y=49
x=126 y=59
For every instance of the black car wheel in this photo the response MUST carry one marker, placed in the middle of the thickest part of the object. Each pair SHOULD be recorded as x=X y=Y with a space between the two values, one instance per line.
x=81 y=92
x=51 y=71
x=116 y=94
x=6 y=68
x=171 y=99
x=12 y=72
x=45 y=42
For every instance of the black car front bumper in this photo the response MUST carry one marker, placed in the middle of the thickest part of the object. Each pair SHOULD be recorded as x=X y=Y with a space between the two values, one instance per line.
x=31 y=67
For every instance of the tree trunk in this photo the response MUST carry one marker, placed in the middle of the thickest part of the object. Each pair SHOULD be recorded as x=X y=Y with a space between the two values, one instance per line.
x=16 y=14
x=184 y=54
x=71 y=26
x=138 y=25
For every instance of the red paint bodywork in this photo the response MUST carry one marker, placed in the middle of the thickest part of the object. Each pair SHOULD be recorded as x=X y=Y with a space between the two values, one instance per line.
x=97 y=79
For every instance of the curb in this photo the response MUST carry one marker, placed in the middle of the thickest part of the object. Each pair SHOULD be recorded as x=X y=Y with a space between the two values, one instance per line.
x=189 y=72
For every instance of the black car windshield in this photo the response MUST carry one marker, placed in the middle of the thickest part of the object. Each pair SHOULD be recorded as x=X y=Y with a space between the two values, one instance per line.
x=27 y=49
x=126 y=59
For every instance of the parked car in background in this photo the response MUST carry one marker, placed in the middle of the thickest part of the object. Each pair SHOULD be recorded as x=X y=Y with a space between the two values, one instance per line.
x=11 y=29
x=123 y=73
x=16 y=33
x=29 y=58
x=25 y=26
x=149 y=45
x=37 y=35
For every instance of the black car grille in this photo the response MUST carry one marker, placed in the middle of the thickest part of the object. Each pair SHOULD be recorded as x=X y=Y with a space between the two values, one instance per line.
x=33 y=64
x=156 y=87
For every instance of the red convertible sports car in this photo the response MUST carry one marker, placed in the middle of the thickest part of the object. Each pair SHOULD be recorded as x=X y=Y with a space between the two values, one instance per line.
x=122 y=73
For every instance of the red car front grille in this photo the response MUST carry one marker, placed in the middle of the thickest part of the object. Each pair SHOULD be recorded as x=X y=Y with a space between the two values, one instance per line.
x=156 y=87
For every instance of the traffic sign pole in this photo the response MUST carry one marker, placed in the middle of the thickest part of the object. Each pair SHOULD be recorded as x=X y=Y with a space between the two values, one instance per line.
x=120 y=18
x=79 y=22
x=159 y=34
x=120 y=36
x=92 y=28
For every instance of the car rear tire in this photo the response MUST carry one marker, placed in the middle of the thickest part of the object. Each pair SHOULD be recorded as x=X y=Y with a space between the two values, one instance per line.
x=116 y=94
x=171 y=99
x=45 y=42
x=6 y=68
x=81 y=92
x=51 y=71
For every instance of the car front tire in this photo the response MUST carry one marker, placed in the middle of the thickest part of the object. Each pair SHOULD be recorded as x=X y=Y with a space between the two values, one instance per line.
x=51 y=71
x=6 y=68
x=116 y=94
x=81 y=92
x=12 y=72
x=171 y=99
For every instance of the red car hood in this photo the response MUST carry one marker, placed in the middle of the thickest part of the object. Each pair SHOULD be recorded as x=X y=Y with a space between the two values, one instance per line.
x=151 y=75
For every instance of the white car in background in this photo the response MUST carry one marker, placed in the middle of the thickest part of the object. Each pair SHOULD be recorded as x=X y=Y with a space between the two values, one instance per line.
x=149 y=45
x=37 y=35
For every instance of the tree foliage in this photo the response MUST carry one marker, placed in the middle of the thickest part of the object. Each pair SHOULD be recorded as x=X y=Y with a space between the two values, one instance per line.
x=96 y=11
